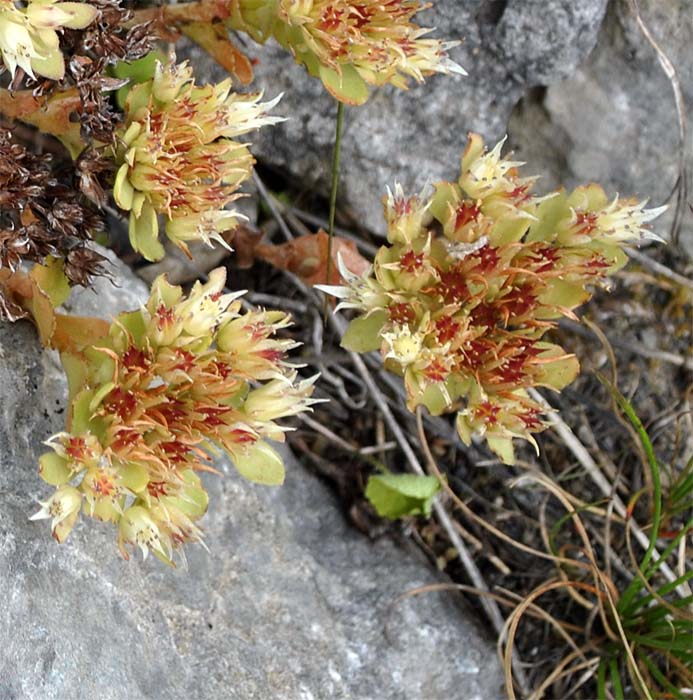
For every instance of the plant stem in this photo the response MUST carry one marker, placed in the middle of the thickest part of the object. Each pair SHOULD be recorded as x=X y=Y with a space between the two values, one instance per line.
x=336 y=156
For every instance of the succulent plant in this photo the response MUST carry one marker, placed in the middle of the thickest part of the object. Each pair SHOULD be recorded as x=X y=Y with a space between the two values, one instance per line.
x=29 y=34
x=154 y=397
x=349 y=45
x=473 y=277
x=178 y=157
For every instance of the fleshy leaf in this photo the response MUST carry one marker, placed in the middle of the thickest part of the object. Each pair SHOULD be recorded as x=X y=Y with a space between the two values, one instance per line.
x=549 y=213
x=53 y=469
x=51 y=278
x=347 y=86
x=134 y=476
x=446 y=193
x=261 y=464
x=76 y=371
x=78 y=420
x=363 y=333
x=144 y=234
x=396 y=495
x=502 y=447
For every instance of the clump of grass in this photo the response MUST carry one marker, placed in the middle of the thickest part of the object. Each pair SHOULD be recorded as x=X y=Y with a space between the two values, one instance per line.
x=638 y=637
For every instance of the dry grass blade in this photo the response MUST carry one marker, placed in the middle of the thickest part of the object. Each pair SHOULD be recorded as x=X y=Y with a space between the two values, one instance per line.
x=583 y=456
x=563 y=669
x=468 y=512
x=598 y=576
x=576 y=595
x=514 y=620
x=658 y=268
x=533 y=610
x=269 y=200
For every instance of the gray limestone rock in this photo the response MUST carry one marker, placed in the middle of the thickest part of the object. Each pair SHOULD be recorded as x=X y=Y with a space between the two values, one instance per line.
x=417 y=136
x=289 y=604
x=614 y=121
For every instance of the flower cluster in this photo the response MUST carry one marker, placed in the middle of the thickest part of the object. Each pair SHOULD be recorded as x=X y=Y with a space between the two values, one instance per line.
x=348 y=45
x=177 y=157
x=29 y=38
x=152 y=398
x=474 y=276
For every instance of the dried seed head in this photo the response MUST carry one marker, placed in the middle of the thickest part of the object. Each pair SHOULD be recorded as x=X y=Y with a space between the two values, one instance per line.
x=44 y=214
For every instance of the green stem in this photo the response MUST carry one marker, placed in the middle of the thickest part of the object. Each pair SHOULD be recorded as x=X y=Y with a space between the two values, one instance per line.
x=336 y=155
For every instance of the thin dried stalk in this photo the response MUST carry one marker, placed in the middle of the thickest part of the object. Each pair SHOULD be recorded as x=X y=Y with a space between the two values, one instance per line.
x=583 y=456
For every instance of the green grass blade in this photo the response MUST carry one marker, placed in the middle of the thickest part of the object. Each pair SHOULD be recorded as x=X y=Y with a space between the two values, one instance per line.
x=601 y=680
x=615 y=677
x=636 y=584
x=670 y=688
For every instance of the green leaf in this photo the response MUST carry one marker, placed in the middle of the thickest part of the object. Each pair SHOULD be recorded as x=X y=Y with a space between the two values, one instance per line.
x=616 y=680
x=53 y=469
x=474 y=150
x=81 y=14
x=133 y=322
x=44 y=315
x=662 y=679
x=395 y=495
x=558 y=373
x=144 y=234
x=52 y=65
x=588 y=198
x=363 y=333
x=502 y=447
x=347 y=86
x=76 y=371
x=139 y=71
x=549 y=214
x=81 y=414
x=446 y=194
x=194 y=499
x=433 y=398
x=123 y=191
x=656 y=495
x=564 y=294
x=508 y=230
x=51 y=278
x=99 y=395
x=135 y=477
x=261 y=464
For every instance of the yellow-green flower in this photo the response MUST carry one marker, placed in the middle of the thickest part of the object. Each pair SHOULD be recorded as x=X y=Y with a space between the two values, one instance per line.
x=154 y=398
x=349 y=45
x=179 y=157
x=63 y=509
x=29 y=38
x=474 y=275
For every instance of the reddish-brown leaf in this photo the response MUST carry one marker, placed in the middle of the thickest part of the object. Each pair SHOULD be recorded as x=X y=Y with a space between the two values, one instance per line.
x=306 y=256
